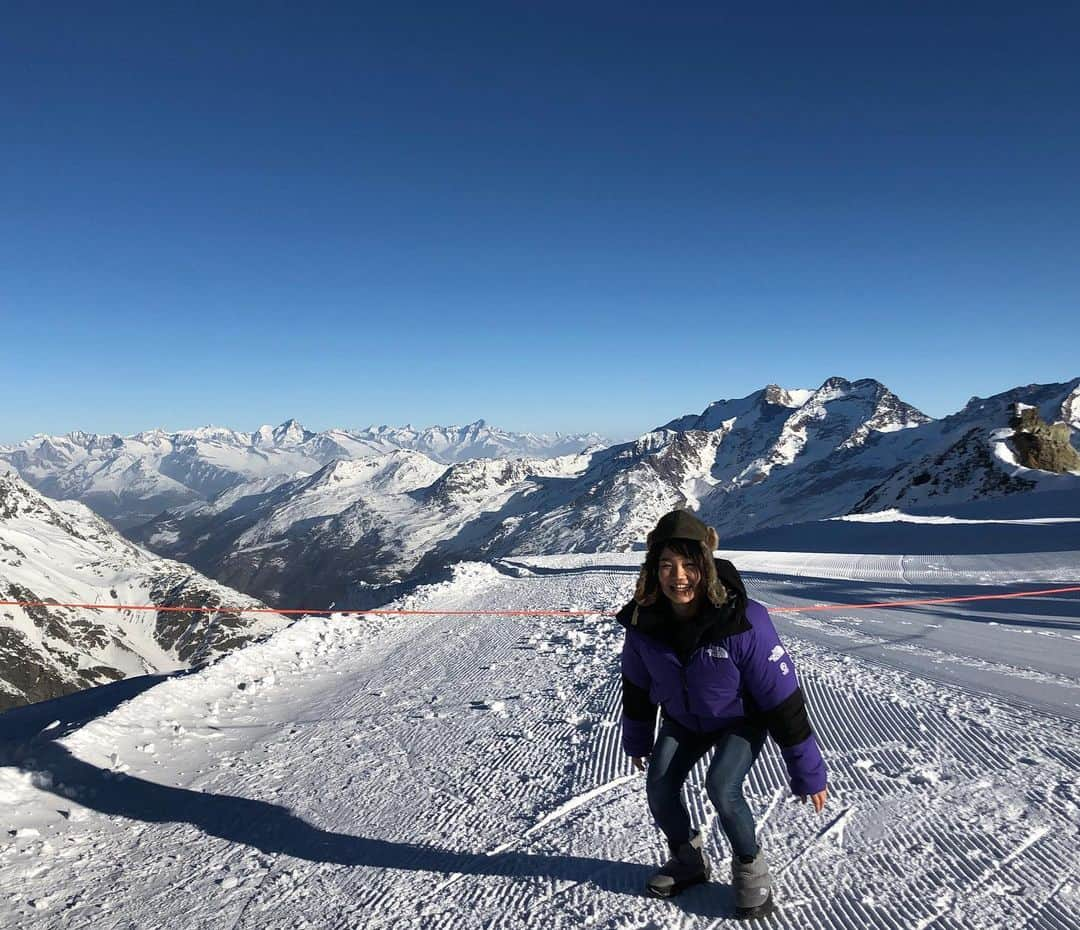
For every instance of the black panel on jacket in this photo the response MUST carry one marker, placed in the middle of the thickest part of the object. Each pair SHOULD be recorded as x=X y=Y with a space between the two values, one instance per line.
x=788 y=722
x=635 y=702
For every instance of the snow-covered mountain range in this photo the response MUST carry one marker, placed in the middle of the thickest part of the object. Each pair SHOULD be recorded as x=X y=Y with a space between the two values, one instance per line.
x=775 y=457
x=131 y=479
x=59 y=552
x=353 y=529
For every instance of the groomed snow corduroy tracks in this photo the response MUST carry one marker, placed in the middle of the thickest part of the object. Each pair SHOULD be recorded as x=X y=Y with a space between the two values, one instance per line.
x=466 y=772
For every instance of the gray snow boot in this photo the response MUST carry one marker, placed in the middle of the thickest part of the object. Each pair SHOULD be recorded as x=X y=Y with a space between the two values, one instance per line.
x=687 y=866
x=753 y=887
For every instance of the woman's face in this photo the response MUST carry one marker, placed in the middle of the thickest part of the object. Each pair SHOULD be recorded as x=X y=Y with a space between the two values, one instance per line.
x=680 y=579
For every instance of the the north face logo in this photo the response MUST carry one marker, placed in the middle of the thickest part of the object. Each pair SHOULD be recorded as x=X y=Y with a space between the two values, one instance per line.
x=774 y=656
x=718 y=652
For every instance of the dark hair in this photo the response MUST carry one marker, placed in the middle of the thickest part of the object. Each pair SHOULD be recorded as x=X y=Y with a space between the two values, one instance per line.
x=648 y=585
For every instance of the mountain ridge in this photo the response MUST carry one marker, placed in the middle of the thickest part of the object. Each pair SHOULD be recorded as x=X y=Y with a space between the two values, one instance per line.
x=59 y=552
x=131 y=479
x=775 y=457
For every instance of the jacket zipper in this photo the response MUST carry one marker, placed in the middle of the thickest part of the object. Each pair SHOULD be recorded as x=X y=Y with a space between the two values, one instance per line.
x=686 y=696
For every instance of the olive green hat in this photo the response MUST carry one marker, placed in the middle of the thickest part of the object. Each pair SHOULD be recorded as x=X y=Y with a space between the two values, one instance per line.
x=681 y=524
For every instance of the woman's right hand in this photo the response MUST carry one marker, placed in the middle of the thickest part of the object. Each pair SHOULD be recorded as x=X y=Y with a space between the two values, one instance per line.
x=818 y=799
x=640 y=762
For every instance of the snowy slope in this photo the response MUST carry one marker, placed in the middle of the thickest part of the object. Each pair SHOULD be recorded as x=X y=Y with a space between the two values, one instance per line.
x=60 y=552
x=464 y=771
x=1033 y=522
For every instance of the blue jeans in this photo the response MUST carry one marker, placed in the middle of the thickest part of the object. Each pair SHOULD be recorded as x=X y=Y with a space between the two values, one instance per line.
x=676 y=751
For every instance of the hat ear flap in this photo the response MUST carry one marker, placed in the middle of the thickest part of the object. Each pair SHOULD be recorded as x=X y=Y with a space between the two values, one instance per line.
x=712 y=540
x=714 y=587
x=642 y=595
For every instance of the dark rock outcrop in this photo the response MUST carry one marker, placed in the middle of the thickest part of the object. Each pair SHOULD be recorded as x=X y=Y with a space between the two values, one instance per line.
x=1042 y=445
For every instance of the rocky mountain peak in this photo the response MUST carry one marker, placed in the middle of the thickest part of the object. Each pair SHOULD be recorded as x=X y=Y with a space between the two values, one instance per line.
x=156 y=433
x=834 y=385
x=16 y=497
x=781 y=397
x=863 y=388
x=291 y=433
x=263 y=437
x=473 y=478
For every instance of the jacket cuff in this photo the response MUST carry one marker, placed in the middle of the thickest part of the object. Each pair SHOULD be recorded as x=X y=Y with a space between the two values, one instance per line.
x=805 y=766
x=637 y=737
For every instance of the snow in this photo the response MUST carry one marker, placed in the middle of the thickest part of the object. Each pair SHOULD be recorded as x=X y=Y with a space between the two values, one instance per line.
x=1047 y=522
x=465 y=771
x=1070 y=409
x=1004 y=452
x=893 y=515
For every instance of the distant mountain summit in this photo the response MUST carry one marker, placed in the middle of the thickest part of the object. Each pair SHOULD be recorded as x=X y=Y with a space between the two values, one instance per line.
x=289 y=433
x=478 y=440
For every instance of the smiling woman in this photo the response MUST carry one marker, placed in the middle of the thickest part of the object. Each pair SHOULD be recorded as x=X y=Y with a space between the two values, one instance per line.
x=710 y=659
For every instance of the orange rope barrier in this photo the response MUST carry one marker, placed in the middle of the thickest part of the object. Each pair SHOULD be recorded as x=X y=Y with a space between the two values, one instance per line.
x=530 y=613
x=928 y=600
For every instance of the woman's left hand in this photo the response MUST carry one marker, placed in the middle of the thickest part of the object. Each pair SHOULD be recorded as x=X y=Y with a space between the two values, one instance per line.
x=818 y=799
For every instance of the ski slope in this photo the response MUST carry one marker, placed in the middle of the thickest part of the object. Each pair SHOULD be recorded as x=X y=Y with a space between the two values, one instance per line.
x=465 y=771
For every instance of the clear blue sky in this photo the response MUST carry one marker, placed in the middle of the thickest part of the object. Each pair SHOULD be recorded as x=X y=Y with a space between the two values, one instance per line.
x=554 y=216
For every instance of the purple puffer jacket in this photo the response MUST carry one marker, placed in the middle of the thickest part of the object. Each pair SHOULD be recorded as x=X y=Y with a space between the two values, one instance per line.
x=741 y=670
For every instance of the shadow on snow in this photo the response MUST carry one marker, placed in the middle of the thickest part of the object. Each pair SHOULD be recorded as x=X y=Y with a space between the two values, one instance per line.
x=29 y=741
